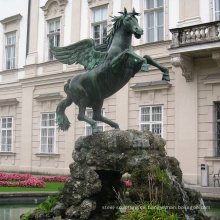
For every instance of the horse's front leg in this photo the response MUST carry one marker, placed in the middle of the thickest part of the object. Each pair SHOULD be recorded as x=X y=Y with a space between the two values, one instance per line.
x=98 y=116
x=83 y=117
x=118 y=61
x=160 y=67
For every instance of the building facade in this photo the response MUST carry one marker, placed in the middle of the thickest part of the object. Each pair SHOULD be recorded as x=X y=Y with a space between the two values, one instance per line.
x=182 y=35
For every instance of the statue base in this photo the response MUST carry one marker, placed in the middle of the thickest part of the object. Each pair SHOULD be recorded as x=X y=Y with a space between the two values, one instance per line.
x=96 y=191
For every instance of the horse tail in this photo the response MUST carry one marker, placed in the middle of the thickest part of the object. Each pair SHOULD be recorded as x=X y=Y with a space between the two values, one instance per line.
x=62 y=120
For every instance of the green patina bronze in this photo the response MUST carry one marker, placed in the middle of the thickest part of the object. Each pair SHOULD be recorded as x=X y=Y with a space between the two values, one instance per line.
x=109 y=67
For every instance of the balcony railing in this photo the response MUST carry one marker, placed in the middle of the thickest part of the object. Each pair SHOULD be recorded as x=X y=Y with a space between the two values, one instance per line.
x=196 y=34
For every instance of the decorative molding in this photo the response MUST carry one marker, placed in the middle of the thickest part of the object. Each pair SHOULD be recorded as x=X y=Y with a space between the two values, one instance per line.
x=7 y=102
x=155 y=85
x=212 y=79
x=13 y=18
x=189 y=21
x=49 y=97
x=212 y=158
x=7 y=154
x=95 y=3
x=54 y=8
x=185 y=63
x=47 y=155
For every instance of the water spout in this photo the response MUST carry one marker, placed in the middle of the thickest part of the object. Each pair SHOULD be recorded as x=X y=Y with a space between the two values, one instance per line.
x=202 y=205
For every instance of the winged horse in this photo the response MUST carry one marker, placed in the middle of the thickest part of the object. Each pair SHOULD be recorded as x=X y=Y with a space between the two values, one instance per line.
x=108 y=66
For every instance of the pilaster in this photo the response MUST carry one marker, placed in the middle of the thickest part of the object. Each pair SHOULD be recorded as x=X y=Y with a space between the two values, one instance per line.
x=76 y=21
x=216 y=57
x=122 y=107
x=26 y=129
x=32 y=57
x=186 y=126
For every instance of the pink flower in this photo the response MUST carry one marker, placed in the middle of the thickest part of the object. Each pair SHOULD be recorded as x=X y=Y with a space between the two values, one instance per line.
x=128 y=183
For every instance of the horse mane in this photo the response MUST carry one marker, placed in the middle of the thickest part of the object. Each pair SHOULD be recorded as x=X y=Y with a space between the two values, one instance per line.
x=117 y=23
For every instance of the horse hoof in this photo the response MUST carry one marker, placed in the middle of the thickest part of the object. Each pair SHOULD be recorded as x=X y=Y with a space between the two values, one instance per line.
x=144 y=68
x=167 y=78
x=95 y=130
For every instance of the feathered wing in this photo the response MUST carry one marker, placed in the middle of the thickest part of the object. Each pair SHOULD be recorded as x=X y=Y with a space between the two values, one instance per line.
x=82 y=52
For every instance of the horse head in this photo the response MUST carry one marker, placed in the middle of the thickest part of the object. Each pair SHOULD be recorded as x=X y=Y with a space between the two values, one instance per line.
x=131 y=23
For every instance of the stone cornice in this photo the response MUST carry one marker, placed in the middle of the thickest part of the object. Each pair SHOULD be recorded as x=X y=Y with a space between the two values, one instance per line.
x=11 y=19
x=47 y=155
x=212 y=158
x=155 y=85
x=49 y=97
x=212 y=79
x=7 y=102
x=7 y=154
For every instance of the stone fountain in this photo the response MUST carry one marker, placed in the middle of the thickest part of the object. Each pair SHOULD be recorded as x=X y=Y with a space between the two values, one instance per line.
x=102 y=158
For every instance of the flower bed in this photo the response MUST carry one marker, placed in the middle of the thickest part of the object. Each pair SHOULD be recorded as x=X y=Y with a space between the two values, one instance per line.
x=54 y=178
x=27 y=180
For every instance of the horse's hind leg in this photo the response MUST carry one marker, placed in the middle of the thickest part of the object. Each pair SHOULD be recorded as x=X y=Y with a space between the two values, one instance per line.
x=162 y=68
x=83 y=117
x=98 y=116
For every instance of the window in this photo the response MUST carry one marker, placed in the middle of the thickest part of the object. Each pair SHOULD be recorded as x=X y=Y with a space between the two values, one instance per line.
x=217 y=10
x=151 y=119
x=48 y=128
x=99 y=24
x=154 y=20
x=6 y=134
x=217 y=129
x=53 y=36
x=88 y=128
x=10 y=45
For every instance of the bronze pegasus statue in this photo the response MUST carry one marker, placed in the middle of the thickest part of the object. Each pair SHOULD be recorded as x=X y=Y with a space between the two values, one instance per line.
x=108 y=66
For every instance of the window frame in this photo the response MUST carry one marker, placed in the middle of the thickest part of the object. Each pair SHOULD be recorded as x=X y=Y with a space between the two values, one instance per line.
x=99 y=123
x=12 y=126
x=101 y=23
x=7 y=46
x=151 y=122
x=217 y=126
x=54 y=34
x=214 y=9
x=48 y=127
x=155 y=10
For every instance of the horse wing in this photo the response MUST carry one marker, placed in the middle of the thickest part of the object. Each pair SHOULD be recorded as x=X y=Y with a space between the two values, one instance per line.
x=82 y=52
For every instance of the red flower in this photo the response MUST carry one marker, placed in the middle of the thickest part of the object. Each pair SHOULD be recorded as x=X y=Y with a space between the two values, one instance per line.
x=128 y=183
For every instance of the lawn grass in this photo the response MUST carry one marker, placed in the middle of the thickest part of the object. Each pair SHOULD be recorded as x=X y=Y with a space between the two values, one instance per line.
x=50 y=186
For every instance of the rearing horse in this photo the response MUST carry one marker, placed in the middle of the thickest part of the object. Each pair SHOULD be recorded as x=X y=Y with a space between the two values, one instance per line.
x=109 y=67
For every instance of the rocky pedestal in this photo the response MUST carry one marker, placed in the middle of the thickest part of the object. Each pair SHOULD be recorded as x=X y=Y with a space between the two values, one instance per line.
x=101 y=159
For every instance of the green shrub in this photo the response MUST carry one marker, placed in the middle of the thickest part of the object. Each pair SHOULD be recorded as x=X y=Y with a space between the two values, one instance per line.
x=46 y=205
x=147 y=211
